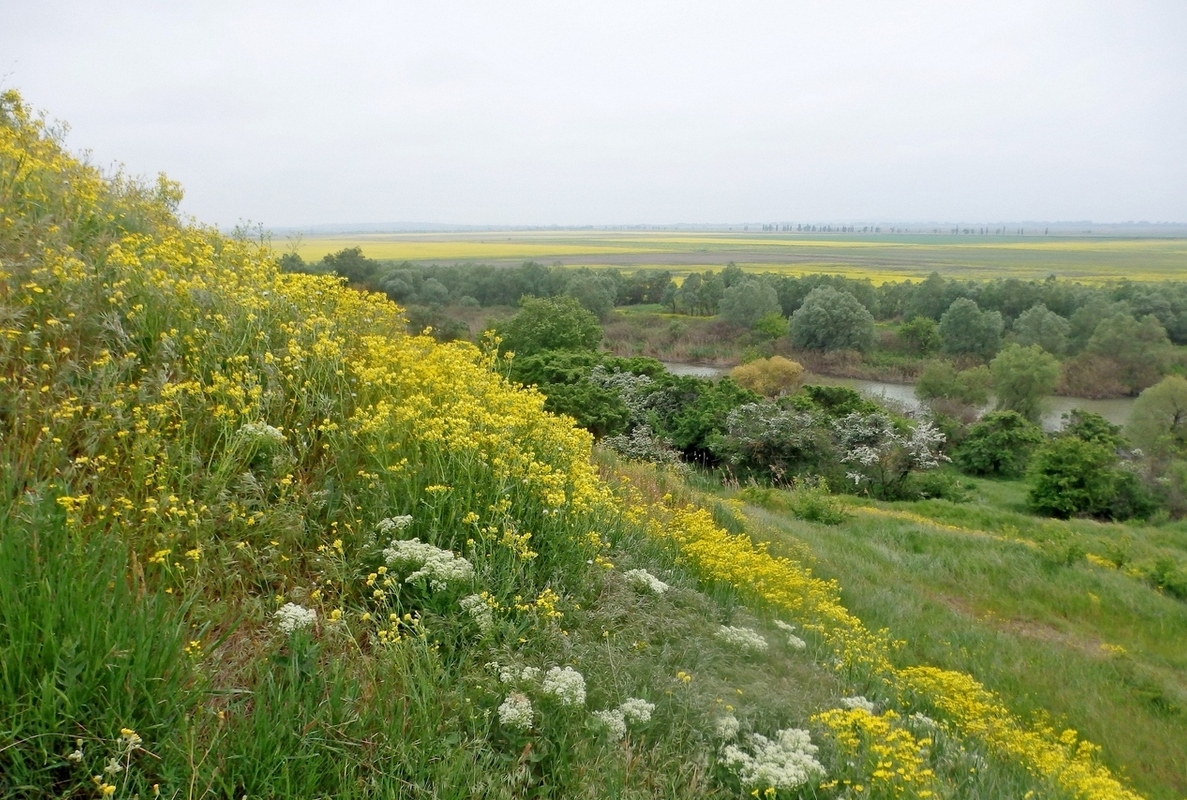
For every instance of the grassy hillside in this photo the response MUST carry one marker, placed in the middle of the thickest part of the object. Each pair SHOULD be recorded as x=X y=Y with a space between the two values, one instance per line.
x=256 y=540
x=1060 y=618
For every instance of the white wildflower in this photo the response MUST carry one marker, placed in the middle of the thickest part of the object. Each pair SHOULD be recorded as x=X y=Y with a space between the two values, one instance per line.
x=613 y=721
x=566 y=685
x=795 y=642
x=261 y=433
x=784 y=763
x=76 y=755
x=439 y=567
x=727 y=727
x=516 y=711
x=479 y=610
x=744 y=638
x=113 y=766
x=923 y=721
x=292 y=617
x=858 y=702
x=643 y=580
x=636 y=711
x=529 y=674
x=392 y=524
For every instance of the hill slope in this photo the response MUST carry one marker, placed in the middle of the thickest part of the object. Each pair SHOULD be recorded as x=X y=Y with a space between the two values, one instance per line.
x=257 y=540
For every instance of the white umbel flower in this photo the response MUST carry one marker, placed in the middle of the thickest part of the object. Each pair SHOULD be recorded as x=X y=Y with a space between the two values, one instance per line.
x=727 y=727
x=516 y=712
x=439 y=567
x=793 y=641
x=479 y=610
x=783 y=763
x=612 y=721
x=565 y=684
x=744 y=638
x=392 y=524
x=644 y=581
x=858 y=702
x=291 y=618
x=636 y=711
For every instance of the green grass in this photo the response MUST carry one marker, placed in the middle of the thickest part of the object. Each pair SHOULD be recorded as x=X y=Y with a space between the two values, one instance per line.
x=1090 y=646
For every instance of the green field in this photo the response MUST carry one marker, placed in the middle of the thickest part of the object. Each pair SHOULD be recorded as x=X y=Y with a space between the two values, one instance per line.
x=880 y=258
x=1037 y=609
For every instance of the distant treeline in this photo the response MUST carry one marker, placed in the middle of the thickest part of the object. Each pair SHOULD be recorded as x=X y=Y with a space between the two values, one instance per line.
x=700 y=294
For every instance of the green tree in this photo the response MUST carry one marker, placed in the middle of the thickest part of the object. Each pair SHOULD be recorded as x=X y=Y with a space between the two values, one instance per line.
x=920 y=335
x=966 y=329
x=1158 y=421
x=1001 y=444
x=351 y=264
x=555 y=323
x=1040 y=326
x=1139 y=348
x=831 y=319
x=745 y=303
x=595 y=293
x=1072 y=477
x=1022 y=377
x=941 y=381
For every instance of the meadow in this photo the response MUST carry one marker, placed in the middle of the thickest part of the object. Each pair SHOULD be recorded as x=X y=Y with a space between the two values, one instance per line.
x=878 y=257
x=257 y=540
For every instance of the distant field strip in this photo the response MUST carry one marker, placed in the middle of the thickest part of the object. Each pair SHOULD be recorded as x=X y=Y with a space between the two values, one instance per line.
x=879 y=259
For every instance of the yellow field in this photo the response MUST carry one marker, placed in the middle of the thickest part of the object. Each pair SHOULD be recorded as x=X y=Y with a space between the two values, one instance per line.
x=878 y=258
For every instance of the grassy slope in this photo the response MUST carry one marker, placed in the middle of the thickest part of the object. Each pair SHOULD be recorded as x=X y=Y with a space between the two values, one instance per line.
x=190 y=440
x=1095 y=646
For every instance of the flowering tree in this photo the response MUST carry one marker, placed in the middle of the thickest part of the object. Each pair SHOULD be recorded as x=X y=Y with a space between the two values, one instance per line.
x=880 y=455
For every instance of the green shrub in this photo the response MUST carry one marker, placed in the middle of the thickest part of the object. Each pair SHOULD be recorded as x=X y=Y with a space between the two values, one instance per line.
x=1000 y=445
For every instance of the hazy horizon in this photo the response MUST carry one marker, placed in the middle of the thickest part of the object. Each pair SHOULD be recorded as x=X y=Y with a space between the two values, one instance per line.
x=624 y=114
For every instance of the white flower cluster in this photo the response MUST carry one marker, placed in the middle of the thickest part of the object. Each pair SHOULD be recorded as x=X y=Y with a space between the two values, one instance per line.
x=783 y=763
x=744 y=638
x=858 y=702
x=440 y=567
x=510 y=674
x=923 y=721
x=479 y=610
x=612 y=720
x=565 y=684
x=392 y=524
x=261 y=433
x=872 y=439
x=292 y=617
x=516 y=711
x=727 y=726
x=644 y=581
x=795 y=642
x=633 y=711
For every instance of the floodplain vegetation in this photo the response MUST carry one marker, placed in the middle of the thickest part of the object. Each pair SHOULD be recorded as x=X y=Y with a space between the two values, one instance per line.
x=256 y=540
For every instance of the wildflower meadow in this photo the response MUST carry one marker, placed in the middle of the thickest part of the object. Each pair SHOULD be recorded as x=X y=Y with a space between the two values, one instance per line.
x=258 y=540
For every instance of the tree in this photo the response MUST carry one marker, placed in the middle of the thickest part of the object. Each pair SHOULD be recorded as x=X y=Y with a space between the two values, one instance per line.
x=1140 y=348
x=1072 y=477
x=748 y=301
x=1001 y=444
x=595 y=293
x=832 y=319
x=920 y=335
x=1040 y=326
x=941 y=381
x=351 y=264
x=556 y=323
x=879 y=456
x=769 y=377
x=966 y=329
x=1158 y=421
x=766 y=440
x=1022 y=377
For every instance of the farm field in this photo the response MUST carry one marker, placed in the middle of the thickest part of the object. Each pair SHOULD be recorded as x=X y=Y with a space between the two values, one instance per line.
x=880 y=258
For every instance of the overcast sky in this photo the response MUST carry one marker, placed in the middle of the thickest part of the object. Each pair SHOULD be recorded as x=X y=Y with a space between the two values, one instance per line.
x=291 y=113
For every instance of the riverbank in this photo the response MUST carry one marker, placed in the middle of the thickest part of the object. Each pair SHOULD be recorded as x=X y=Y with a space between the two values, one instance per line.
x=1116 y=410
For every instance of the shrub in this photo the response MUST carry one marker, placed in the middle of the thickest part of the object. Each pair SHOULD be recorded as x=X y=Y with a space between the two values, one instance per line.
x=555 y=323
x=769 y=377
x=1001 y=445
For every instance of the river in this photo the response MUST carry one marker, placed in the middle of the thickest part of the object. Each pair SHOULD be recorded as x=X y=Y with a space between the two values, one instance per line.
x=1115 y=411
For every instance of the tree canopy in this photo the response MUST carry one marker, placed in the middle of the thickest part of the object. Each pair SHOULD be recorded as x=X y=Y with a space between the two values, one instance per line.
x=832 y=319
